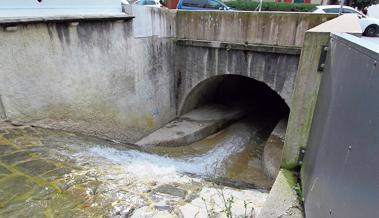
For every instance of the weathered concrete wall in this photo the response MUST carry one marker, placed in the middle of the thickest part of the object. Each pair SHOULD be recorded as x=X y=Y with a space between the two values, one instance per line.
x=195 y=65
x=150 y=21
x=282 y=29
x=123 y=79
x=304 y=98
x=307 y=85
x=95 y=77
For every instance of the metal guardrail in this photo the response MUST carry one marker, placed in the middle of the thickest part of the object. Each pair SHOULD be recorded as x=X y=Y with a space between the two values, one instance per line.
x=30 y=8
x=341 y=170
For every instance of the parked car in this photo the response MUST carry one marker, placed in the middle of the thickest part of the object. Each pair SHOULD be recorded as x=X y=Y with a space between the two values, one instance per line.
x=369 y=25
x=202 y=5
x=149 y=3
x=124 y=2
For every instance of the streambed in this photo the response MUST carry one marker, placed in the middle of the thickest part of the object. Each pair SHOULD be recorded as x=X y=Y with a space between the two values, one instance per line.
x=50 y=173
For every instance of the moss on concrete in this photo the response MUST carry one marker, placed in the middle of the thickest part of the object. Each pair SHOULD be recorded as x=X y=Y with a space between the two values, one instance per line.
x=304 y=98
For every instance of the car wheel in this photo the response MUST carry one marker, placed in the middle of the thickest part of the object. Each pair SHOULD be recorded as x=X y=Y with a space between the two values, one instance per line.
x=371 y=31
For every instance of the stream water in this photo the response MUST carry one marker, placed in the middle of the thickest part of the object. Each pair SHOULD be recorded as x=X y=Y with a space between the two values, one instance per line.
x=50 y=173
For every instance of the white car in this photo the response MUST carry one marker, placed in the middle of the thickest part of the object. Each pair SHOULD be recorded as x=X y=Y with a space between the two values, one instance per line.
x=149 y=3
x=369 y=25
x=124 y=2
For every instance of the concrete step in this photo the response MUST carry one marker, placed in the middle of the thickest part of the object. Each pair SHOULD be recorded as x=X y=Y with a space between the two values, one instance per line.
x=193 y=126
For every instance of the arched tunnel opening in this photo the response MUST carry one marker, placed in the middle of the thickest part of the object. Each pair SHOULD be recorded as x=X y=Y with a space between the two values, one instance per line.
x=231 y=127
x=258 y=101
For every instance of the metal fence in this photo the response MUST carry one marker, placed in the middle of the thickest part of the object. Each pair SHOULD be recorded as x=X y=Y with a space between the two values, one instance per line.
x=341 y=166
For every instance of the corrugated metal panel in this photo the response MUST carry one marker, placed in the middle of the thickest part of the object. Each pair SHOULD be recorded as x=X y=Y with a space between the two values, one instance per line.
x=27 y=8
x=341 y=170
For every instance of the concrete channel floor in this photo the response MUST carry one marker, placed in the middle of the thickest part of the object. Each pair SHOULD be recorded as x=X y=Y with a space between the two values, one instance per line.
x=49 y=173
x=193 y=126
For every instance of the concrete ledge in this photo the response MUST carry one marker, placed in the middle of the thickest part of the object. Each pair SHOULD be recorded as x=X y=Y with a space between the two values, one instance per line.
x=193 y=126
x=282 y=201
x=292 y=50
x=68 y=18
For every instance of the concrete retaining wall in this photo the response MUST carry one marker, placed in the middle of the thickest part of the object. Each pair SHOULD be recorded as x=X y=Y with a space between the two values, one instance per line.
x=122 y=79
x=95 y=77
x=281 y=29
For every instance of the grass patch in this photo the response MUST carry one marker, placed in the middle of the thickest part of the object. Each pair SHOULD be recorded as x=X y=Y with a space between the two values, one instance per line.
x=270 y=6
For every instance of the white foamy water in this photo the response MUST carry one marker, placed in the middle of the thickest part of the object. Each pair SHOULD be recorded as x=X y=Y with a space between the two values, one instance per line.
x=143 y=164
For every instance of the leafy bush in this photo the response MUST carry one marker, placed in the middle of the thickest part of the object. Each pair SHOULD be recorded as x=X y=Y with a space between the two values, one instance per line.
x=270 y=6
x=364 y=3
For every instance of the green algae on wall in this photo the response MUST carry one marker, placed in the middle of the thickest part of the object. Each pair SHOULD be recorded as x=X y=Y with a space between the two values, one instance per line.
x=304 y=98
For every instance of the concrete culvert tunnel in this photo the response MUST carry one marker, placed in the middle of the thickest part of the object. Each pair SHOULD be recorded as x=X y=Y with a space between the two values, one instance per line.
x=235 y=91
x=232 y=106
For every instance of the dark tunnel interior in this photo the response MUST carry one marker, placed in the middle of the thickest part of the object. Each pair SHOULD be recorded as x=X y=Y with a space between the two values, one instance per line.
x=258 y=100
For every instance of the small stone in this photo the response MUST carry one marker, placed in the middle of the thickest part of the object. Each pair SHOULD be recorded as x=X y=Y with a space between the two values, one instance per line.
x=171 y=190
x=36 y=167
x=122 y=211
x=152 y=183
x=163 y=207
x=191 y=197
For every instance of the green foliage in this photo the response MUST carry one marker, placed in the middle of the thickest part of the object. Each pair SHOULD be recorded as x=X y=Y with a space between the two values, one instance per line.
x=228 y=202
x=271 y=6
x=364 y=3
x=299 y=192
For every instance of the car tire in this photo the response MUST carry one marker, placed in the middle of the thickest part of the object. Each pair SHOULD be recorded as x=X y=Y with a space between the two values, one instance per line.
x=371 y=30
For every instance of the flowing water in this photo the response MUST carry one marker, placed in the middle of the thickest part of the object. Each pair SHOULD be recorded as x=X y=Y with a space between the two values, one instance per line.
x=49 y=173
